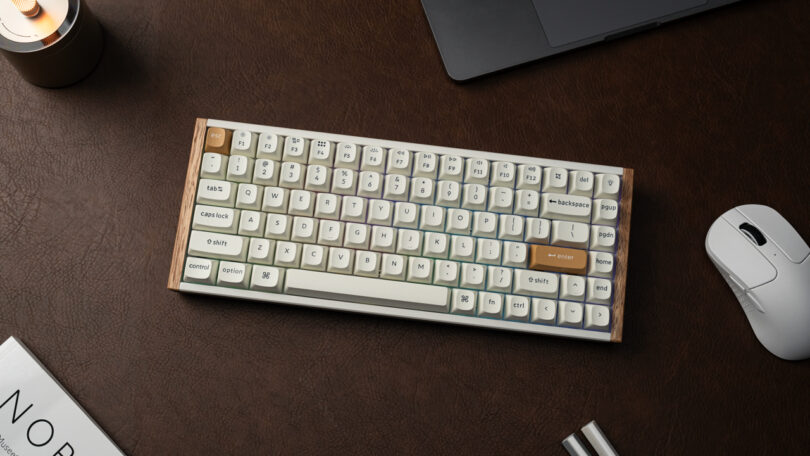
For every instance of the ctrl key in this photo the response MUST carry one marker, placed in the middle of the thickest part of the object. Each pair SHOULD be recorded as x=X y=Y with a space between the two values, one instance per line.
x=200 y=270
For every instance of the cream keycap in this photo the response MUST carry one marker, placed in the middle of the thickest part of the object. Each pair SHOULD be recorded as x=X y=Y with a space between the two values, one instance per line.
x=536 y=283
x=597 y=317
x=603 y=238
x=544 y=311
x=490 y=305
x=367 y=290
x=373 y=159
x=216 y=192
x=267 y=278
x=569 y=234
x=268 y=146
x=249 y=196
x=232 y=274
x=295 y=149
x=605 y=212
x=213 y=165
x=565 y=207
x=607 y=186
x=599 y=291
x=570 y=314
x=600 y=264
x=555 y=180
x=321 y=153
x=313 y=257
x=212 y=218
x=463 y=302
x=517 y=308
x=217 y=245
x=265 y=172
x=240 y=169
x=200 y=270
x=251 y=223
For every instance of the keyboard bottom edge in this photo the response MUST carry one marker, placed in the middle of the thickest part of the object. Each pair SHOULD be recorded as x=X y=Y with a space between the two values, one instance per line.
x=481 y=322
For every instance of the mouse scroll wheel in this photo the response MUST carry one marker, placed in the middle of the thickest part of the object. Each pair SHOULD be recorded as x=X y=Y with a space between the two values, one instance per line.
x=753 y=233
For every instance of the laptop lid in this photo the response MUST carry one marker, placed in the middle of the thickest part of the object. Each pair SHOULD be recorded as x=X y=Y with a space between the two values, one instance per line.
x=476 y=37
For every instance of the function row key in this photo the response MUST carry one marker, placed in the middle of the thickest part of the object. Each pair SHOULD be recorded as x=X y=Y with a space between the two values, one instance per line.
x=417 y=164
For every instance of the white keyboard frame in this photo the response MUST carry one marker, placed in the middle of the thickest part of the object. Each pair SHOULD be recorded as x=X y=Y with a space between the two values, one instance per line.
x=189 y=196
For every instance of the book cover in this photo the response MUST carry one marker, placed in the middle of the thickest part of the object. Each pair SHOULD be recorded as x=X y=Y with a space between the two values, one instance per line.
x=37 y=416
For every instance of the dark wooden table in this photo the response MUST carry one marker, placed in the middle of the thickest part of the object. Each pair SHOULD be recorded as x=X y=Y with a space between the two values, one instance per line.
x=711 y=112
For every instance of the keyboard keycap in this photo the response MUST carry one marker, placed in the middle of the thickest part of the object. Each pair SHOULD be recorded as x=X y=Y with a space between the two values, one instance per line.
x=213 y=166
x=321 y=153
x=565 y=207
x=216 y=192
x=490 y=305
x=218 y=140
x=477 y=171
x=267 y=278
x=555 y=180
x=503 y=174
x=211 y=218
x=399 y=162
x=600 y=264
x=233 y=274
x=367 y=290
x=607 y=186
x=529 y=177
x=603 y=238
x=265 y=172
x=599 y=291
x=605 y=212
x=517 y=308
x=373 y=159
x=463 y=302
x=570 y=314
x=544 y=311
x=569 y=234
x=581 y=183
x=200 y=270
x=597 y=317
x=295 y=149
x=451 y=168
x=269 y=146
x=243 y=143
x=558 y=259
x=217 y=245
x=536 y=283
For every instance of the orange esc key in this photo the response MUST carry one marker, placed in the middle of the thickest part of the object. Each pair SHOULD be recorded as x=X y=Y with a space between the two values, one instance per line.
x=558 y=259
x=218 y=140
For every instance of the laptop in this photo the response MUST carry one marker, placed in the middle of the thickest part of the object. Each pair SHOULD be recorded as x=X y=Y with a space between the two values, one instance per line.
x=477 y=37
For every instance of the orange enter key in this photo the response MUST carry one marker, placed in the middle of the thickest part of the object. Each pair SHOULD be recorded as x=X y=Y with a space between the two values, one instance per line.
x=558 y=259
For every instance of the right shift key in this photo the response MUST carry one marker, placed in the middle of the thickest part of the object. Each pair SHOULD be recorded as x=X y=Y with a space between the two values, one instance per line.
x=558 y=259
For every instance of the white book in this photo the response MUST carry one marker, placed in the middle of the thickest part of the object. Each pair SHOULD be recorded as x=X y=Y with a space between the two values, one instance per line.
x=37 y=416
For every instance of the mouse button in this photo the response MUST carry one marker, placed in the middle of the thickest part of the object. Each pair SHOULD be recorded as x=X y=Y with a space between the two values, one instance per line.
x=778 y=230
x=738 y=255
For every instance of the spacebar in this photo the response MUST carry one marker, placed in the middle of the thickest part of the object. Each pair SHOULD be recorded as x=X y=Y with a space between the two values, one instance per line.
x=367 y=290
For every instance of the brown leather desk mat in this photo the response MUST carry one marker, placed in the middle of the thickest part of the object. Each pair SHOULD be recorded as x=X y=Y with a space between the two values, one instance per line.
x=711 y=112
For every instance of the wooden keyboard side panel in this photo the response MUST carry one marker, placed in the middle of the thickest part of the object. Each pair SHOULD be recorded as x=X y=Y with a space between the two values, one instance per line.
x=622 y=251
x=187 y=206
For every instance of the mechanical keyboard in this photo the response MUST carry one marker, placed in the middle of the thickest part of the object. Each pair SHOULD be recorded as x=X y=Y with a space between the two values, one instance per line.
x=406 y=230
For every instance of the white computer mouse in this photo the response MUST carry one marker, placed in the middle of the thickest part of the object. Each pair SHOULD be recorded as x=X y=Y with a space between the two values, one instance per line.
x=767 y=264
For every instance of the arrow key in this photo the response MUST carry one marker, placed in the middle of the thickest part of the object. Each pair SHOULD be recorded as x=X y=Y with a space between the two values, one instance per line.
x=597 y=317
x=572 y=288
